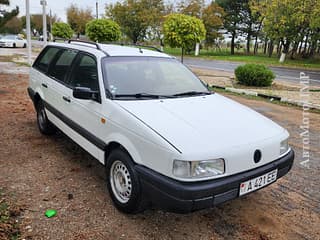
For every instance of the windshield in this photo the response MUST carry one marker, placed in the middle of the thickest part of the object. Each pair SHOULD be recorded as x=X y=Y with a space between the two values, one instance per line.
x=150 y=77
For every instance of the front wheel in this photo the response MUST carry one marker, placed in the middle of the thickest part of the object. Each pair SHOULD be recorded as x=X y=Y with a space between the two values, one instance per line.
x=44 y=125
x=123 y=182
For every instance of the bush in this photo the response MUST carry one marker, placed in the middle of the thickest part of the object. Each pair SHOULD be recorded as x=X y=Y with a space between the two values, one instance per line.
x=254 y=75
x=102 y=30
x=62 y=30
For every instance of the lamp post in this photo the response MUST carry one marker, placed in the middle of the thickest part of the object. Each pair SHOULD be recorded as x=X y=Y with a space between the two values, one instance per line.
x=97 y=15
x=28 y=28
x=44 y=20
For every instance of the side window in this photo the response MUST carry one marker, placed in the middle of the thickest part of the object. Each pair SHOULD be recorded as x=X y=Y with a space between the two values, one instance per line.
x=44 y=60
x=85 y=73
x=62 y=65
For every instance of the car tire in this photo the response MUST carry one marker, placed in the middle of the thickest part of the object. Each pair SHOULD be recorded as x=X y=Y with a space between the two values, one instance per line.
x=44 y=125
x=123 y=182
x=14 y=45
x=24 y=45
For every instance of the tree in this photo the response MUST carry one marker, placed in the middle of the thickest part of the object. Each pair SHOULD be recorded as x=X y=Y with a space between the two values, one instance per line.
x=103 y=30
x=135 y=17
x=78 y=18
x=5 y=16
x=233 y=18
x=183 y=31
x=191 y=7
x=212 y=17
x=13 y=26
x=289 y=22
x=62 y=30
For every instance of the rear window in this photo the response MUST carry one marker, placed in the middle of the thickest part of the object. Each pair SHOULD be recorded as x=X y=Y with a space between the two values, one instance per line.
x=44 y=60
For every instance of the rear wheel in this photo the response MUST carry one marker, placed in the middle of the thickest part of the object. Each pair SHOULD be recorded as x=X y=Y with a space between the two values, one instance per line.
x=14 y=45
x=123 y=182
x=44 y=125
x=24 y=45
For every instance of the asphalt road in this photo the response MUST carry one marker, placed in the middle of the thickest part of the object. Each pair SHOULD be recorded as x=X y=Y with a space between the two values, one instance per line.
x=287 y=74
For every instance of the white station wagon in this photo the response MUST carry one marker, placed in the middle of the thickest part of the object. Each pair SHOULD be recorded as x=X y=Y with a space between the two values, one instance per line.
x=164 y=138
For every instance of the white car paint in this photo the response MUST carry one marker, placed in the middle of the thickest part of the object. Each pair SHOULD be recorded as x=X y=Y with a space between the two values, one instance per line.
x=156 y=132
x=12 y=41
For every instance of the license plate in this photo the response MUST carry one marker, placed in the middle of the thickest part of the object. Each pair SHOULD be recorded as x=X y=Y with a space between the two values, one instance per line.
x=258 y=182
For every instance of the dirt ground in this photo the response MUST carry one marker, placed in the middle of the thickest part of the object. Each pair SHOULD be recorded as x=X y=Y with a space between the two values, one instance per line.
x=38 y=172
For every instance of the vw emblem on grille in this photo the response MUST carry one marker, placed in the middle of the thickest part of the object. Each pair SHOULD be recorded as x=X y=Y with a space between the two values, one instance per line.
x=257 y=156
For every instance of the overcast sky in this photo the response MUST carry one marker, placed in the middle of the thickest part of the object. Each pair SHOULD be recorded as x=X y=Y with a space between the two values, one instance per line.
x=59 y=6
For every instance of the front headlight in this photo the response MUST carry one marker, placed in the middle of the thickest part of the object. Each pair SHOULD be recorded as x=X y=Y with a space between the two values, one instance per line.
x=284 y=146
x=198 y=169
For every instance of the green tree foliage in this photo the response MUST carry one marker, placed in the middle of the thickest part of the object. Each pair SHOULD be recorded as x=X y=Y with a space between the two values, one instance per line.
x=183 y=31
x=212 y=17
x=233 y=19
x=5 y=16
x=78 y=18
x=62 y=30
x=292 y=21
x=137 y=16
x=103 y=30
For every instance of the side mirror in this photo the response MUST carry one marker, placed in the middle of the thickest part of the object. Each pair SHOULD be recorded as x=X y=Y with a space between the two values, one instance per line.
x=86 y=94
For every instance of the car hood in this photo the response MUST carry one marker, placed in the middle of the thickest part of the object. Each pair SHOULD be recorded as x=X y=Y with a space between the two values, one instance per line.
x=203 y=123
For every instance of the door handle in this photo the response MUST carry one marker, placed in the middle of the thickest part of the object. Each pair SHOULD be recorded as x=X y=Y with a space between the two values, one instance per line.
x=44 y=85
x=66 y=99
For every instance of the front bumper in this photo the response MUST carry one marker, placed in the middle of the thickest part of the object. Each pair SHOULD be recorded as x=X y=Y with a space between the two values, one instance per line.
x=184 y=197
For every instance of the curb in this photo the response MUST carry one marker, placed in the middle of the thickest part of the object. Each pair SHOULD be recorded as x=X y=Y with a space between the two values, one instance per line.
x=270 y=97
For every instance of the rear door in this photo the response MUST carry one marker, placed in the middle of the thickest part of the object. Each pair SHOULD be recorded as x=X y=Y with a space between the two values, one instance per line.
x=57 y=100
x=38 y=73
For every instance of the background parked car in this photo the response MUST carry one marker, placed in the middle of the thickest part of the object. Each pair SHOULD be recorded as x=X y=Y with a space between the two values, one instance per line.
x=13 y=41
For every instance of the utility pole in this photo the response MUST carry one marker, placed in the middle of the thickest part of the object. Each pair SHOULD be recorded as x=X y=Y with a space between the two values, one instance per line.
x=50 y=25
x=44 y=20
x=97 y=14
x=28 y=28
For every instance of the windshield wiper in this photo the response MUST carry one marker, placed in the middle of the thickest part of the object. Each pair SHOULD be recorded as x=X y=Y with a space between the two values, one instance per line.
x=191 y=93
x=142 y=95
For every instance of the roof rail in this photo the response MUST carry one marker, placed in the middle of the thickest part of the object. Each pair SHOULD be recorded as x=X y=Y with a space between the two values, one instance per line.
x=135 y=45
x=87 y=42
x=60 y=39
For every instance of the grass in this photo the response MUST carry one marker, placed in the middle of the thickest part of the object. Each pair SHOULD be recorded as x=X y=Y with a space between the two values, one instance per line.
x=9 y=228
x=260 y=58
x=286 y=104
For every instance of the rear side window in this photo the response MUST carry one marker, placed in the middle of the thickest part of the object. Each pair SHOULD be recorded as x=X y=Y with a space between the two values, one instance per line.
x=62 y=65
x=44 y=60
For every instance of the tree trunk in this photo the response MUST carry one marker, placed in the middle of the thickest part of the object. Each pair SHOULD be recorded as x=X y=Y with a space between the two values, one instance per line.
x=270 y=49
x=256 y=46
x=286 y=47
x=182 y=53
x=294 y=50
x=265 y=46
x=305 y=45
x=300 y=47
x=248 y=43
x=232 y=43
x=313 y=48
